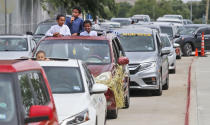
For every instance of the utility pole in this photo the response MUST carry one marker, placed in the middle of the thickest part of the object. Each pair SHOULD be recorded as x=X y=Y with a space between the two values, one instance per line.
x=5 y=3
x=191 y=11
x=207 y=11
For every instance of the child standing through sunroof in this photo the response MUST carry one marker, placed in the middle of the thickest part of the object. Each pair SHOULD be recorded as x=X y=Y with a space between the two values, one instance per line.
x=60 y=29
x=88 y=32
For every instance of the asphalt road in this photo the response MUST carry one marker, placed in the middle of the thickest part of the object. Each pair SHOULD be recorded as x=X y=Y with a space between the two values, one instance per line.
x=168 y=109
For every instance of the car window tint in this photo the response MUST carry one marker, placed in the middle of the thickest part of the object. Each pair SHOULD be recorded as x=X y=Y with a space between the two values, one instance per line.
x=26 y=92
x=39 y=87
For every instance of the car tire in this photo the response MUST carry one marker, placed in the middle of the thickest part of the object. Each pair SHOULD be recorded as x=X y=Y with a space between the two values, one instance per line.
x=159 y=91
x=187 y=49
x=112 y=114
x=127 y=99
x=166 y=86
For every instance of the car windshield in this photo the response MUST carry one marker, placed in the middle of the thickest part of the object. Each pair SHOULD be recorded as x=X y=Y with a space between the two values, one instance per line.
x=167 y=30
x=187 y=30
x=90 y=51
x=166 y=42
x=133 y=43
x=64 y=79
x=13 y=44
x=8 y=114
x=42 y=29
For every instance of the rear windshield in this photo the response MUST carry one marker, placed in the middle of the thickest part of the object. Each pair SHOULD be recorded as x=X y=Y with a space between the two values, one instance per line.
x=13 y=44
x=89 y=51
x=167 y=30
x=7 y=101
x=137 y=43
x=64 y=79
x=165 y=40
x=42 y=29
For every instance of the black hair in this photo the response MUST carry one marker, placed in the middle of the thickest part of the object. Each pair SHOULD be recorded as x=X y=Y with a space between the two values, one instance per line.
x=40 y=51
x=87 y=21
x=78 y=8
x=59 y=16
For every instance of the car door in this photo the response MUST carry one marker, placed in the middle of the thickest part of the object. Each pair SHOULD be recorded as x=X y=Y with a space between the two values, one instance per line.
x=164 y=60
x=97 y=100
x=207 y=39
x=198 y=38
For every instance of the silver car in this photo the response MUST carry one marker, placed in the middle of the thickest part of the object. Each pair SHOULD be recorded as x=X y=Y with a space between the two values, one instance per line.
x=16 y=46
x=148 y=61
x=167 y=44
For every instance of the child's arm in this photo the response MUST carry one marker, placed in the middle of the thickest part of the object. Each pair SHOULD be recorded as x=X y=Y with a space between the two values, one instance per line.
x=67 y=31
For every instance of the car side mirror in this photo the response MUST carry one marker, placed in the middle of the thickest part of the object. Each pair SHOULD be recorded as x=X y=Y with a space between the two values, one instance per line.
x=165 y=52
x=123 y=61
x=29 y=33
x=38 y=113
x=99 y=88
x=177 y=35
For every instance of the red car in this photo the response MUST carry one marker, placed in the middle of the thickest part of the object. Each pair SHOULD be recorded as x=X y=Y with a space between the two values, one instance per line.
x=105 y=59
x=25 y=95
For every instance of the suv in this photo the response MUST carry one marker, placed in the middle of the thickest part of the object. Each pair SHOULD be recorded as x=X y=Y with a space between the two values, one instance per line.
x=105 y=59
x=148 y=61
x=25 y=95
x=192 y=41
x=16 y=46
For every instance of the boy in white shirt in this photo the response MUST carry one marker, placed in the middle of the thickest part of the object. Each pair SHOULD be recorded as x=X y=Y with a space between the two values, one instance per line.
x=60 y=29
x=88 y=25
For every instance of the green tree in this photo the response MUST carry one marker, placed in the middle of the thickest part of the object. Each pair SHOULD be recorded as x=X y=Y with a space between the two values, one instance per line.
x=123 y=9
x=94 y=7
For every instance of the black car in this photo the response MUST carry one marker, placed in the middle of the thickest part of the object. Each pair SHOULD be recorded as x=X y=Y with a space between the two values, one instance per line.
x=42 y=28
x=190 y=39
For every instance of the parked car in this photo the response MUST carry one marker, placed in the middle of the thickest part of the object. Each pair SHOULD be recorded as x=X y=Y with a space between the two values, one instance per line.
x=42 y=28
x=170 y=30
x=192 y=41
x=141 y=18
x=105 y=58
x=172 y=16
x=122 y=21
x=187 y=21
x=25 y=95
x=148 y=61
x=175 y=21
x=70 y=79
x=16 y=46
x=167 y=44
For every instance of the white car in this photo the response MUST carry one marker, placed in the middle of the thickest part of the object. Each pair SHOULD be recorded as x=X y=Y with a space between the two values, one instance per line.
x=16 y=46
x=167 y=44
x=78 y=99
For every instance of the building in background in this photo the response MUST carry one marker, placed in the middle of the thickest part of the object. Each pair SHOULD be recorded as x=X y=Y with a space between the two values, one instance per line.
x=22 y=16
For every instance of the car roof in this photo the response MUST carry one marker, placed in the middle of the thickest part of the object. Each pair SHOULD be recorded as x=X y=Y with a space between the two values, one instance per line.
x=63 y=63
x=14 y=36
x=134 y=29
x=78 y=38
x=9 y=66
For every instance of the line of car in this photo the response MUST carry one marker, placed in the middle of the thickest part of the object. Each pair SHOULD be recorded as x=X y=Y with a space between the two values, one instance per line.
x=87 y=79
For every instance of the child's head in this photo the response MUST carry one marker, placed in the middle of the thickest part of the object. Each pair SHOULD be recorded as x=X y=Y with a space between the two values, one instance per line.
x=60 y=19
x=40 y=55
x=76 y=11
x=87 y=25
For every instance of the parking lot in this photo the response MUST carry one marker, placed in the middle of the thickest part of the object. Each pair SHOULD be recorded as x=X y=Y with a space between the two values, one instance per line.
x=168 y=109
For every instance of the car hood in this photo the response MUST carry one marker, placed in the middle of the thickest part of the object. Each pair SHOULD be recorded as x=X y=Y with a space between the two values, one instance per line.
x=139 y=57
x=98 y=69
x=13 y=54
x=68 y=105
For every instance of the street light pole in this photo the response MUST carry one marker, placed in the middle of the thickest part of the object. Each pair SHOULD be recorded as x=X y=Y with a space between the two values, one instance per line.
x=191 y=11
x=5 y=2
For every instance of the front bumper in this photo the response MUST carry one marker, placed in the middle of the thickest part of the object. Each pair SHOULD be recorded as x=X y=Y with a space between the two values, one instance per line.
x=142 y=80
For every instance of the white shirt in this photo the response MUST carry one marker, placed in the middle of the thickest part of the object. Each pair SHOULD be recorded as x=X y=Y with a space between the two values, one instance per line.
x=63 y=30
x=85 y=33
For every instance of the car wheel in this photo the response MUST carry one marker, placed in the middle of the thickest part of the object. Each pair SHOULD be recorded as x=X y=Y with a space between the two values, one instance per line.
x=159 y=91
x=112 y=114
x=166 y=86
x=127 y=99
x=187 y=50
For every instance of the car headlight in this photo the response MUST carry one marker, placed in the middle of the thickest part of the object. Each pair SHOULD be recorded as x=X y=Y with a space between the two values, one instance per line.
x=147 y=65
x=103 y=77
x=77 y=119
